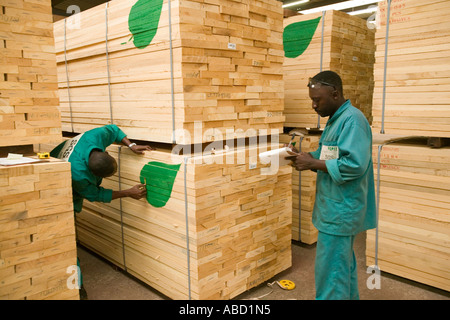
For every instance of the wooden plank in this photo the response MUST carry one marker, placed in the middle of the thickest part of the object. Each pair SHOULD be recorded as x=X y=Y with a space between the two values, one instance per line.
x=27 y=59
x=414 y=212
x=417 y=69
x=237 y=216
x=37 y=242
x=212 y=56
x=348 y=49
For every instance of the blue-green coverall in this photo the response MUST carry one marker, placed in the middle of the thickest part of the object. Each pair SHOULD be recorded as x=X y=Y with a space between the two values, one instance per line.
x=77 y=150
x=345 y=201
x=85 y=185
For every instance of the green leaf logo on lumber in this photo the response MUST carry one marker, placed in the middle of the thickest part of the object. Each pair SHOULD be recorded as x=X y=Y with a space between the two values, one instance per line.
x=159 y=179
x=143 y=21
x=297 y=37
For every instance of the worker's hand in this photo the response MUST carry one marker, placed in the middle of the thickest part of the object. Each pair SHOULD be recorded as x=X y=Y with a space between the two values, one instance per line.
x=140 y=149
x=301 y=161
x=137 y=192
x=294 y=149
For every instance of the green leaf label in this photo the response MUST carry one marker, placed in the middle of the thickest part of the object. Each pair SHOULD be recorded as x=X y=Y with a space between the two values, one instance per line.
x=297 y=37
x=159 y=178
x=143 y=21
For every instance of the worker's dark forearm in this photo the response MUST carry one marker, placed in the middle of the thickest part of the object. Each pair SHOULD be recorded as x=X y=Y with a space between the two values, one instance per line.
x=126 y=142
x=319 y=165
x=120 y=194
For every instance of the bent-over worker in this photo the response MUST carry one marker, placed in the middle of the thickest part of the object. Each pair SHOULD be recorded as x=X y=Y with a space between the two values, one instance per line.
x=90 y=163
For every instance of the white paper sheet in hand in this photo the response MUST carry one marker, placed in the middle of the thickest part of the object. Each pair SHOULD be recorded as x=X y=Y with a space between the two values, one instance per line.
x=270 y=156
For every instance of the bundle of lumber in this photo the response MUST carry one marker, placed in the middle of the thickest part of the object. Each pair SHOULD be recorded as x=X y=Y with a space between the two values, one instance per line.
x=334 y=41
x=417 y=70
x=38 y=253
x=131 y=63
x=28 y=86
x=414 y=213
x=304 y=196
x=239 y=221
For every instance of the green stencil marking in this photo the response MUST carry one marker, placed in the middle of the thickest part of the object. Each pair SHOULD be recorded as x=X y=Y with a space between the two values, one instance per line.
x=297 y=37
x=159 y=179
x=143 y=21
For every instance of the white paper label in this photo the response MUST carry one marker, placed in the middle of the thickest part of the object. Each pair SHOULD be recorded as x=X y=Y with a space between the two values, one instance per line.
x=329 y=152
x=231 y=45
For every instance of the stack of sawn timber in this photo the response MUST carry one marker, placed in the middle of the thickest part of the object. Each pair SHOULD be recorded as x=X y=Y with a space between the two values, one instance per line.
x=28 y=85
x=414 y=213
x=417 y=70
x=37 y=229
x=37 y=232
x=348 y=49
x=239 y=222
x=413 y=219
x=227 y=69
x=306 y=193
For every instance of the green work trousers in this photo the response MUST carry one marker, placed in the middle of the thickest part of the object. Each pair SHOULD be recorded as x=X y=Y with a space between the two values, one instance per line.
x=335 y=268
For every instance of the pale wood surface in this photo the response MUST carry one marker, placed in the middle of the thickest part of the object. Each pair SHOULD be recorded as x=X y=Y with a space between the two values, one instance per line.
x=37 y=232
x=348 y=50
x=239 y=224
x=214 y=84
x=28 y=85
x=417 y=72
x=414 y=213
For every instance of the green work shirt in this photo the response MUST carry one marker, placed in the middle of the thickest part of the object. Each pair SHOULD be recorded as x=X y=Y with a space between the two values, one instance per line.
x=345 y=196
x=85 y=185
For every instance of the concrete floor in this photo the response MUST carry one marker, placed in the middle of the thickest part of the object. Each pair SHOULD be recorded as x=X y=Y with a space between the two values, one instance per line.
x=103 y=281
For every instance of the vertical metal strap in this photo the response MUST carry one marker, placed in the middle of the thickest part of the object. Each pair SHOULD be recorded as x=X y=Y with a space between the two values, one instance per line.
x=171 y=72
x=107 y=64
x=321 y=40
x=187 y=227
x=67 y=73
x=321 y=55
x=380 y=147
x=120 y=208
x=385 y=65
x=300 y=197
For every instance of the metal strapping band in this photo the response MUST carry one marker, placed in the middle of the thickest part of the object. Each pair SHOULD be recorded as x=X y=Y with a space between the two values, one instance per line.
x=321 y=54
x=380 y=147
x=107 y=63
x=187 y=227
x=171 y=73
x=385 y=66
x=378 y=202
x=300 y=197
x=67 y=73
x=120 y=208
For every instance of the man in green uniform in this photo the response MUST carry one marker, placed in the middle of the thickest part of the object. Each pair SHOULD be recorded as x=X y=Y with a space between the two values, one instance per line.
x=345 y=191
x=90 y=163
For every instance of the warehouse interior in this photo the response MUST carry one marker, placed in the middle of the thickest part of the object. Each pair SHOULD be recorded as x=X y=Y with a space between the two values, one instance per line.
x=416 y=263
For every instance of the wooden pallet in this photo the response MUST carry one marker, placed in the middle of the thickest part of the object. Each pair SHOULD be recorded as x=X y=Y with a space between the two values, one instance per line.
x=414 y=218
x=28 y=85
x=308 y=233
x=37 y=232
x=239 y=223
x=226 y=58
x=348 y=49
x=417 y=71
